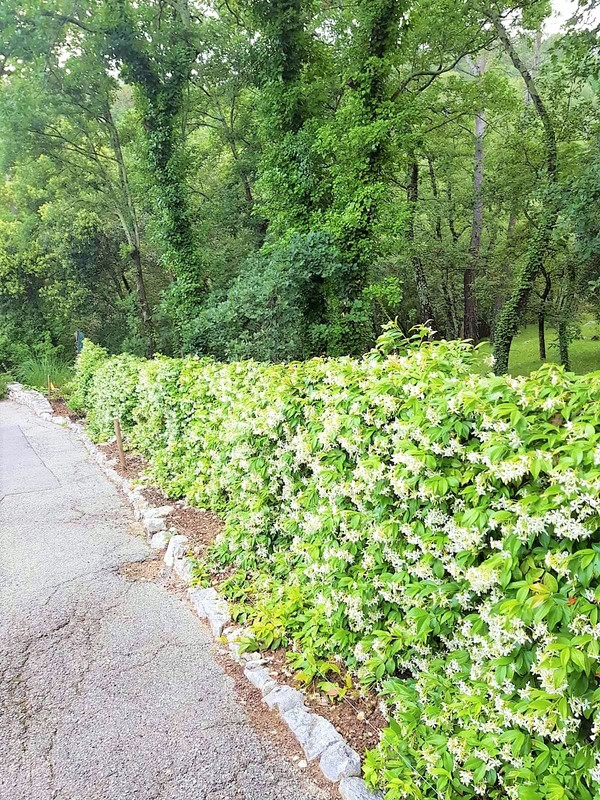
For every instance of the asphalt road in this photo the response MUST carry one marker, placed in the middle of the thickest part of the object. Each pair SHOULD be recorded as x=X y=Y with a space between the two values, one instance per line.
x=109 y=689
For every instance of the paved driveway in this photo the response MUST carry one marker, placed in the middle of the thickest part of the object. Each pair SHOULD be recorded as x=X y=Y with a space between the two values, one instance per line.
x=109 y=689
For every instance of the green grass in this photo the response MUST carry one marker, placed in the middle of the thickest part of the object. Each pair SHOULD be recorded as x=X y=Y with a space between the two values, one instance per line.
x=36 y=370
x=524 y=358
x=5 y=379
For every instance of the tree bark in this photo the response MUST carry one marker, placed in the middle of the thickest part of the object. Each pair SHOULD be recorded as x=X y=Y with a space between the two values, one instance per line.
x=542 y=334
x=514 y=308
x=542 y=316
x=563 y=343
x=452 y=327
x=470 y=329
x=129 y=223
x=412 y=196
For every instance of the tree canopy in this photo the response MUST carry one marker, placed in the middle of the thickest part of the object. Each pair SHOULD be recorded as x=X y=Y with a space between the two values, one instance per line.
x=275 y=180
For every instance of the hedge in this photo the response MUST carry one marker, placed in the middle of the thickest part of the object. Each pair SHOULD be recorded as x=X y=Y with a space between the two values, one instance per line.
x=433 y=530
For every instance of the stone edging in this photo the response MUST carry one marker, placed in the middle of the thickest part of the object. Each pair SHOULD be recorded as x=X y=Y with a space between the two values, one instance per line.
x=318 y=738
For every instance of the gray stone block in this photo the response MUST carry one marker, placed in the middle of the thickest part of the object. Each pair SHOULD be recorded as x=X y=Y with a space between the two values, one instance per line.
x=196 y=599
x=153 y=521
x=176 y=549
x=160 y=540
x=298 y=720
x=314 y=733
x=322 y=735
x=261 y=678
x=183 y=568
x=340 y=761
x=209 y=605
x=218 y=617
x=356 y=789
x=284 y=698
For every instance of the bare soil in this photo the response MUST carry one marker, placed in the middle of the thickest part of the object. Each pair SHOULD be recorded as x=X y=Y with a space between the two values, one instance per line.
x=356 y=716
x=62 y=409
x=150 y=569
x=134 y=464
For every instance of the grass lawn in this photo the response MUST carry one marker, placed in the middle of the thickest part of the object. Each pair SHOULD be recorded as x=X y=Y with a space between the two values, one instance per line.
x=585 y=353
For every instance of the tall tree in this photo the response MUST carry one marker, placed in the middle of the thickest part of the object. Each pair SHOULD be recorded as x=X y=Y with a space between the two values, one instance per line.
x=513 y=310
x=470 y=329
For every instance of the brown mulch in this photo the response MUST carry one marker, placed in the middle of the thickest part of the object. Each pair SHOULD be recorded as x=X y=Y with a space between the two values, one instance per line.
x=134 y=464
x=356 y=716
x=198 y=525
x=62 y=409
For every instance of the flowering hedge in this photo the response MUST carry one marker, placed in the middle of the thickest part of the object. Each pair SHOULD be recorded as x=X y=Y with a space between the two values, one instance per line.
x=434 y=528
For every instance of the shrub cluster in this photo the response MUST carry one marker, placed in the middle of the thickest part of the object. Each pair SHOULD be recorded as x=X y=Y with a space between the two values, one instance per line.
x=435 y=529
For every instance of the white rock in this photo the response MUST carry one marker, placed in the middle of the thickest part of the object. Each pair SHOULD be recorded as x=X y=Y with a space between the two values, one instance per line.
x=254 y=663
x=356 y=789
x=260 y=678
x=153 y=524
x=160 y=540
x=232 y=633
x=284 y=698
x=183 y=568
x=139 y=505
x=298 y=721
x=253 y=658
x=339 y=761
x=162 y=511
x=207 y=595
x=218 y=615
x=176 y=549
x=209 y=605
x=196 y=599
x=234 y=649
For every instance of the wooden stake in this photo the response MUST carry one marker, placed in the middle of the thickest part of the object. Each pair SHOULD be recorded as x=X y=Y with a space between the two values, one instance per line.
x=49 y=385
x=119 y=442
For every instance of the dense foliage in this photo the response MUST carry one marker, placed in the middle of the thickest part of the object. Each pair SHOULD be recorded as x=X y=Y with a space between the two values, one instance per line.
x=273 y=180
x=433 y=529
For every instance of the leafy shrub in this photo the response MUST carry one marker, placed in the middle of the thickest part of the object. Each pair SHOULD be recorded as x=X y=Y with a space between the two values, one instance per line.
x=285 y=305
x=36 y=369
x=88 y=361
x=112 y=393
x=434 y=528
x=5 y=379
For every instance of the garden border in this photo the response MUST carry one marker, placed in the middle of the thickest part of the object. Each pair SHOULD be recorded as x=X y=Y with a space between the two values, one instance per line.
x=318 y=738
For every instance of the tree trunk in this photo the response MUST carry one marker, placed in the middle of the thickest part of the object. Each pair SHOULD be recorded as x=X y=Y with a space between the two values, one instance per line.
x=470 y=328
x=412 y=196
x=542 y=333
x=451 y=224
x=145 y=314
x=450 y=306
x=435 y=193
x=513 y=310
x=542 y=316
x=131 y=229
x=563 y=343
x=452 y=328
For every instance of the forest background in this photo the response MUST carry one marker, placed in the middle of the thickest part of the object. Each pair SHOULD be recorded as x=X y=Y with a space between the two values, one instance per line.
x=276 y=179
